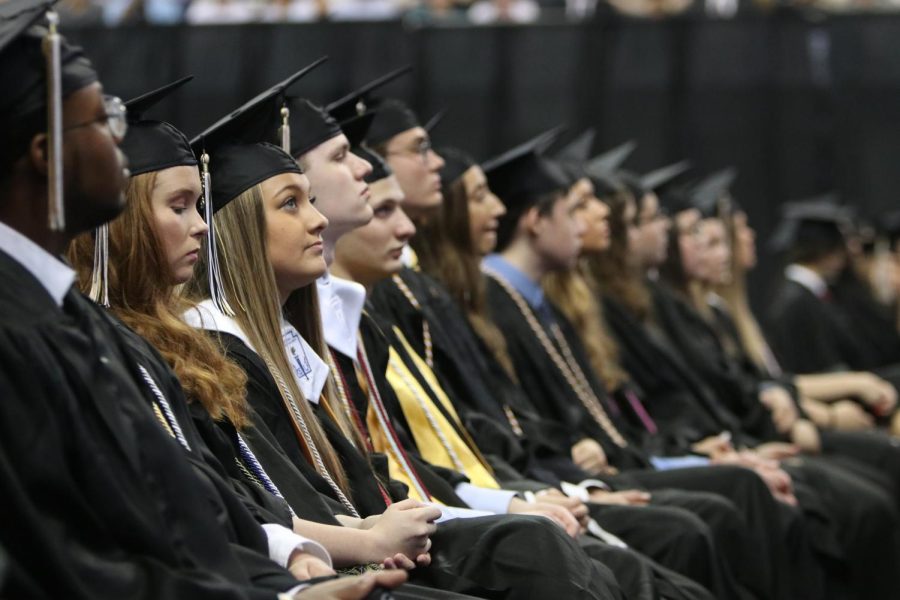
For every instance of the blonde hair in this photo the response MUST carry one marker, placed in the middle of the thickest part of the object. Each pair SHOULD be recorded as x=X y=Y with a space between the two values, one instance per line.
x=142 y=295
x=575 y=294
x=249 y=283
x=734 y=293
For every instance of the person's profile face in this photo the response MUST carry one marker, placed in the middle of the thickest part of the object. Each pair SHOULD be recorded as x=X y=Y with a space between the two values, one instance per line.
x=374 y=252
x=485 y=210
x=337 y=177
x=417 y=167
x=293 y=231
x=558 y=234
x=176 y=221
x=93 y=166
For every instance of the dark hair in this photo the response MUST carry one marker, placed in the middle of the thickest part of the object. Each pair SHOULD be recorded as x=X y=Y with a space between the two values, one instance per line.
x=815 y=241
x=518 y=206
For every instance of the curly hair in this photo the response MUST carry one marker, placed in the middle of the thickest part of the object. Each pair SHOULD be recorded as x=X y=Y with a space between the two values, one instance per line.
x=142 y=295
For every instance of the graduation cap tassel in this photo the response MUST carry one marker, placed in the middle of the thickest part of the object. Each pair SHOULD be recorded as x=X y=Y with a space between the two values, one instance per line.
x=55 y=209
x=216 y=288
x=99 y=292
x=285 y=129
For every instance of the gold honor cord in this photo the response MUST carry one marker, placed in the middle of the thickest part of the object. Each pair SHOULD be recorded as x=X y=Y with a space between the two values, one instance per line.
x=568 y=366
x=426 y=330
x=300 y=423
x=56 y=216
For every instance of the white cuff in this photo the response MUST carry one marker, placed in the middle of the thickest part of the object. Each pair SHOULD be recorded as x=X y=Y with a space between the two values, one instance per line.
x=495 y=501
x=283 y=542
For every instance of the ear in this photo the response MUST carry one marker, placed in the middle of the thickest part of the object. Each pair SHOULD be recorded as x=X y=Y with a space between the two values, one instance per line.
x=38 y=153
x=530 y=221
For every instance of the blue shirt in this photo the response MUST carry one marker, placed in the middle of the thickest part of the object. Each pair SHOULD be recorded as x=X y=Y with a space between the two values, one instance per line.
x=530 y=290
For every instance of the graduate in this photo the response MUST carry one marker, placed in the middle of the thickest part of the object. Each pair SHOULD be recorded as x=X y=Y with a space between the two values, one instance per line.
x=697 y=252
x=272 y=231
x=137 y=520
x=152 y=249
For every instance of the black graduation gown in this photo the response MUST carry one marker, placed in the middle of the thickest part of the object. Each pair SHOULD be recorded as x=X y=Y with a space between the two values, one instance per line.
x=818 y=482
x=553 y=398
x=872 y=320
x=478 y=386
x=637 y=576
x=810 y=335
x=461 y=547
x=98 y=500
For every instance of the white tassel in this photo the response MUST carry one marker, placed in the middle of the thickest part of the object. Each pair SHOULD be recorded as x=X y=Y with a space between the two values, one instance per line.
x=216 y=288
x=285 y=129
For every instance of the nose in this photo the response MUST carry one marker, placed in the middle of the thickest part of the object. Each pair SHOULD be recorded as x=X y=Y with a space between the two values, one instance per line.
x=199 y=227
x=498 y=209
x=318 y=222
x=405 y=227
x=435 y=160
x=361 y=168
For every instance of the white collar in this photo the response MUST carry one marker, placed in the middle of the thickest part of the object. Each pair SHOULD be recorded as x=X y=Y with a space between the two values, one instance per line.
x=206 y=315
x=56 y=276
x=309 y=370
x=341 y=303
x=807 y=278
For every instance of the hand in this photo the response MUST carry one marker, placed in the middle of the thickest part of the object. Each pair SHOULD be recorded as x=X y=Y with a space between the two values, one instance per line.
x=781 y=406
x=352 y=588
x=777 y=450
x=589 y=456
x=847 y=415
x=624 y=497
x=714 y=446
x=575 y=506
x=805 y=435
x=557 y=514
x=304 y=565
x=878 y=394
x=818 y=411
x=400 y=561
x=405 y=528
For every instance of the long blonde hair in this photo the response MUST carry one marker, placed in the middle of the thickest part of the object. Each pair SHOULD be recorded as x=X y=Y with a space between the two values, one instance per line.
x=734 y=293
x=141 y=295
x=576 y=294
x=249 y=283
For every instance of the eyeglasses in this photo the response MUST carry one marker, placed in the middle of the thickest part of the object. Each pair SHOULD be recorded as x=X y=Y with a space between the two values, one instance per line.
x=422 y=148
x=114 y=113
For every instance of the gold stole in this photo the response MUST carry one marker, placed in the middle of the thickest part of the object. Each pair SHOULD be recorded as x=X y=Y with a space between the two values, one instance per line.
x=436 y=438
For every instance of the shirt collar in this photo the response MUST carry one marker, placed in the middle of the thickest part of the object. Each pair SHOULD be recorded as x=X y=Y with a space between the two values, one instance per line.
x=341 y=303
x=309 y=370
x=530 y=290
x=807 y=278
x=56 y=276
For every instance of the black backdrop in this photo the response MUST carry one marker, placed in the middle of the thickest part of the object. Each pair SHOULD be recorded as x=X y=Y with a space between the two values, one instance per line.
x=800 y=105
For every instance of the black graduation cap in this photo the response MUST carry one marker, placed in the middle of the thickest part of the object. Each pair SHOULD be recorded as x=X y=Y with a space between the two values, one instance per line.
x=656 y=180
x=240 y=154
x=708 y=194
x=392 y=117
x=435 y=120
x=362 y=100
x=380 y=168
x=152 y=145
x=311 y=125
x=522 y=173
x=803 y=221
x=573 y=156
x=23 y=66
x=456 y=162
x=604 y=168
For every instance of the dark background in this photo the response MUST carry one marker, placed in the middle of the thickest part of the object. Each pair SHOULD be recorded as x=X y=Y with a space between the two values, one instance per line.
x=800 y=104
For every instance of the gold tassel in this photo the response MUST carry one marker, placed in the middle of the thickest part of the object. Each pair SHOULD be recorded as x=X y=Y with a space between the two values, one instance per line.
x=99 y=292
x=51 y=46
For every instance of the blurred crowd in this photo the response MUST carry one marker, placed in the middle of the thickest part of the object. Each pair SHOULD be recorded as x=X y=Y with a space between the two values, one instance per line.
x=214 y=12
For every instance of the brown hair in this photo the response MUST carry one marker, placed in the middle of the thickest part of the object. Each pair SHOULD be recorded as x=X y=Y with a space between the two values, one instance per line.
x=446 y=252
x=576 y=296
x=616 y=275
x=142 y=296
